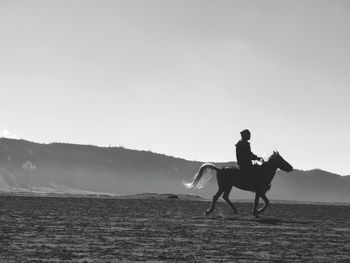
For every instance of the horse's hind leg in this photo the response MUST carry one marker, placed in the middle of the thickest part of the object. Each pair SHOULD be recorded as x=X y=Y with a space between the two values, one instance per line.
x=266 y=203
x=226 y=198
x=215 y=199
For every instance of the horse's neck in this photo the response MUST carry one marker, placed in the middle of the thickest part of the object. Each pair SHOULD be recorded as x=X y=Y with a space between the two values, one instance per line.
x=270 y=170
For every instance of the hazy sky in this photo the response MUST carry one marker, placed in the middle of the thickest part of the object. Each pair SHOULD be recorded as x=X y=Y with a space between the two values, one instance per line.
x=181 y=78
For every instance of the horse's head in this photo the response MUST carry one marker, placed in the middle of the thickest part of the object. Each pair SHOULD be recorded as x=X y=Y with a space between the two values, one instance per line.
x=277 y=160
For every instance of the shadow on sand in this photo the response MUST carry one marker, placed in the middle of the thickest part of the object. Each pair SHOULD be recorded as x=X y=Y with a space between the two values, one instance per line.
x=268 y=221
x=274 y=221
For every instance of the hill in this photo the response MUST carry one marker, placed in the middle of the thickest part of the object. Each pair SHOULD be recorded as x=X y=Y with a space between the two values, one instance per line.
x=29 y=167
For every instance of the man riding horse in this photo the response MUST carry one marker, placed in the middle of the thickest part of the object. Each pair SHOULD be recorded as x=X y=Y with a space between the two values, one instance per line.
x=227 y=177
x=245 y=156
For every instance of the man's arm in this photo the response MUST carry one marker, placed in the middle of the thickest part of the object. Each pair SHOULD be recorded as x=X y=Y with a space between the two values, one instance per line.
x=244 y=148
x=251 y=154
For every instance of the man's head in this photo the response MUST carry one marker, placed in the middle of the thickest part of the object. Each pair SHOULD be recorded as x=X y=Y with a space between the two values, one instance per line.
x=245 y=135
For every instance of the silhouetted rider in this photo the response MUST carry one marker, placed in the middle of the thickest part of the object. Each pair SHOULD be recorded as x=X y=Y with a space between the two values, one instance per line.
x=244 y=154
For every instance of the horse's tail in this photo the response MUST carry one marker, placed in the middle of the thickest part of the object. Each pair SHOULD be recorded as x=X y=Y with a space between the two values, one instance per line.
x=202 y=176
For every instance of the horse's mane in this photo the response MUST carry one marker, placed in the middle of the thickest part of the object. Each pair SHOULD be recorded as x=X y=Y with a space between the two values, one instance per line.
x=270 y=156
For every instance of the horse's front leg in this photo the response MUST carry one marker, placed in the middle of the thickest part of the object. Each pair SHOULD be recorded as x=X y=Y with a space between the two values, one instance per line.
x=256 y=203
x=266 y=203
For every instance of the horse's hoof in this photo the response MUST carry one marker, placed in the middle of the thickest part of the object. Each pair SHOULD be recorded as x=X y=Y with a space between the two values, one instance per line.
x=256 y=215
x=207 y=213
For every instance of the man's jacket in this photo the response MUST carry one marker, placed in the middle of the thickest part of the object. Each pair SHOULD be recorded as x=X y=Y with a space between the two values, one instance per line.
x=244 y=155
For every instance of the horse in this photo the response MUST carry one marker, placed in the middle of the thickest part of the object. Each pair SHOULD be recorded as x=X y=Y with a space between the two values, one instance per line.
x=228 y=177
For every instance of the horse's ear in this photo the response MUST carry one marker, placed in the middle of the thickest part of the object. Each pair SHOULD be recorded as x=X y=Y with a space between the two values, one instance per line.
x=276 y=153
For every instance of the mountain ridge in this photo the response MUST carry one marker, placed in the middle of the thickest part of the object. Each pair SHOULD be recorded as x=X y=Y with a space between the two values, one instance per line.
x=77 y=168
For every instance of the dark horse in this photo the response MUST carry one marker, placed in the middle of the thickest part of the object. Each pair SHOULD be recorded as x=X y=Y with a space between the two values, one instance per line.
x=228 y=177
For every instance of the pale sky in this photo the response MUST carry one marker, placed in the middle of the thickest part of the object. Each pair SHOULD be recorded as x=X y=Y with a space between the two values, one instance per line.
x=181 y=78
